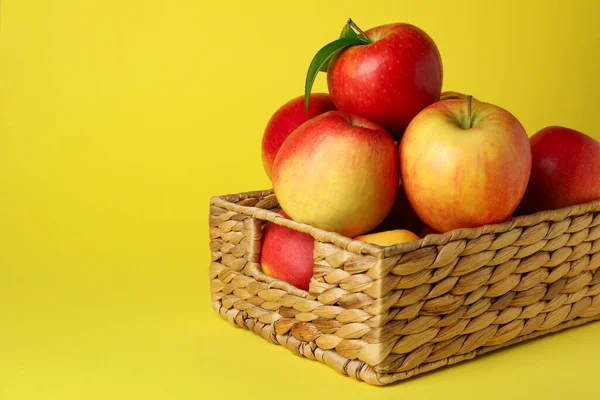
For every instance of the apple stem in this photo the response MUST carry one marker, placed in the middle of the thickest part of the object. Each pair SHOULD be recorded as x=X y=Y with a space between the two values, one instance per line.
x=469 y=111
x=360 y=31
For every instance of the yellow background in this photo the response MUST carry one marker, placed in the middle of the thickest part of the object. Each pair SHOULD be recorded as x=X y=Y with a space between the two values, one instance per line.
x=119 y=120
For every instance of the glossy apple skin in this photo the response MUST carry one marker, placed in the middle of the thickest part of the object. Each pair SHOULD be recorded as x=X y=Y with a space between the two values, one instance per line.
x=337 y=172
x=565 y=170
x=390 y=80
x=461 y=178
x=285 y=120
x=287 y=254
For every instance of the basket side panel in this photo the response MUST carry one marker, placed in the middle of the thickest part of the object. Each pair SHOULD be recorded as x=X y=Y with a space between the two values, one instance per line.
x=240 y=292
x=340 y=327
x=235 y=255
x=471 y=296
x=342 y=283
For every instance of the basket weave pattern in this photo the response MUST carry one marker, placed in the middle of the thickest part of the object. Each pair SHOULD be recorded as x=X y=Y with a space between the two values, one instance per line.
x=382 y=314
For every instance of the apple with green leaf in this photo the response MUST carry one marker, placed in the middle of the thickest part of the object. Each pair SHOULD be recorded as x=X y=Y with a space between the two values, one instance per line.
x=386 y=74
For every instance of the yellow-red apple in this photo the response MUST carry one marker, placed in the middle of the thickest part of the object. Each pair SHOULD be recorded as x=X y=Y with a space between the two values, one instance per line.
x=287 y=254
x=337 y=172
x=464 y=163
x=565 y=170
x=287 y=118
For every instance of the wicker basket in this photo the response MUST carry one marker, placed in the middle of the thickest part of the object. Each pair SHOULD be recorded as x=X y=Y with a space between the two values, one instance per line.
x=382 y=314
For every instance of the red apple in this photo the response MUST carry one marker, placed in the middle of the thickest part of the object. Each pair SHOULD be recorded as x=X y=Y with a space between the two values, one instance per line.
x=389 y=80
x=287 y=118
x=402 y=216
x=464 y=163
x=287 y=254
x=565 y=170
x=428 y=231
x=337 y=172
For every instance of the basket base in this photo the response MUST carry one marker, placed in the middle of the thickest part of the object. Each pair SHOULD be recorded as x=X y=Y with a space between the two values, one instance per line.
x=357 y=369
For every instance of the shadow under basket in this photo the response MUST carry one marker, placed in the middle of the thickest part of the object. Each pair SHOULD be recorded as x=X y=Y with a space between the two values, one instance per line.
x=382 y=314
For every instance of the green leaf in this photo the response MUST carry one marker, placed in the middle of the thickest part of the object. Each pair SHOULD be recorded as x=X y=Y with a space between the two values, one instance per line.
x=347 y=32
x=322 y=57
x=325 y=67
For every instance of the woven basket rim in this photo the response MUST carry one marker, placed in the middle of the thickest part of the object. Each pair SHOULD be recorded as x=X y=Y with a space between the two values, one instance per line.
x=229 y=201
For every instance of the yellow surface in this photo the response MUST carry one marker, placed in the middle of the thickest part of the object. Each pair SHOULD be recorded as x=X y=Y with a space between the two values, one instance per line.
x=118 y=121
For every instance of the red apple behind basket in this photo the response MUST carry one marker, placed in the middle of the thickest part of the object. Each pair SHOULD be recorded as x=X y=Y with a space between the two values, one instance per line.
x=565 y=170
x=285 y=120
